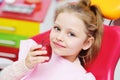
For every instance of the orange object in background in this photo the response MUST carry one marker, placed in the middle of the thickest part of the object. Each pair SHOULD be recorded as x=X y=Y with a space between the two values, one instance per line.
x=109 y=8
x=33 y=1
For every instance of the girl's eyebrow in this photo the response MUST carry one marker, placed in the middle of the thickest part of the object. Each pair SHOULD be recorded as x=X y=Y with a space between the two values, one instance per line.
x=56 y=24
x=69 y=29
x=74 y=31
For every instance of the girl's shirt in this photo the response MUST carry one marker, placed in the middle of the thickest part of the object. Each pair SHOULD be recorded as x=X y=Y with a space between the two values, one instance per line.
x=57 y=68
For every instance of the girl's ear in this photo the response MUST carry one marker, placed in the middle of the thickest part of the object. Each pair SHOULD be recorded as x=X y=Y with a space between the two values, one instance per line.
x=88 y=43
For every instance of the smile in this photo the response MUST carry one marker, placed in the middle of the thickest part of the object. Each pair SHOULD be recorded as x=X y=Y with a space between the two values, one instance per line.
x=58 y=45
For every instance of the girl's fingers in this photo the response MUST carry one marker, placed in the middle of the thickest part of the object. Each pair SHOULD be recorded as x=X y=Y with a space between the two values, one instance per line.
x=31 y=61
x=41 y=59
x=35 y=47
x=35 y=56
x=35 y=60
x=38 y=53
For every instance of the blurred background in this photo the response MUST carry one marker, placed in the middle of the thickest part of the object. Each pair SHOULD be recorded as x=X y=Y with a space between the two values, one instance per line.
x=22 y=19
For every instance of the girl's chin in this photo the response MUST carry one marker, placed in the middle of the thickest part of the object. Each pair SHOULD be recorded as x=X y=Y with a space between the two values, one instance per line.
x=58 y=53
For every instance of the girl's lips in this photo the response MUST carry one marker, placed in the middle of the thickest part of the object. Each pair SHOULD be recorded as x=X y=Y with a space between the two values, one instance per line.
x=58 y=45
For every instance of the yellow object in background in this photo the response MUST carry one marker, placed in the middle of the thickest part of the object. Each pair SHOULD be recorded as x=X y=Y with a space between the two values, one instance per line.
x=19 y=27
x=109 y=8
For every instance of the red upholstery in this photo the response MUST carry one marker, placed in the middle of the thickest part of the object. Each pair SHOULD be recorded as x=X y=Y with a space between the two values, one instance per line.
x=104 y=65
x=44 y=37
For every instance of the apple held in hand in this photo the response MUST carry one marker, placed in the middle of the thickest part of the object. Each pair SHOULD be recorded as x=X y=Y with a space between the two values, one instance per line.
x=48 y=49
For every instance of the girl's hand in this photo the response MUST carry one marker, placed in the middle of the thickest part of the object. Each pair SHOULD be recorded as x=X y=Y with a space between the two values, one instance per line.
x=35 y=56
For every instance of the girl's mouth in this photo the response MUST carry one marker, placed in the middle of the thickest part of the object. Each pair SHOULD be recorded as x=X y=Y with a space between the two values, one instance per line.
x=58 y=45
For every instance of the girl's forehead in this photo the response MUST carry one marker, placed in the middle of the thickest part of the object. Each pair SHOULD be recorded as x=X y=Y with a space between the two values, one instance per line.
x=70 y=20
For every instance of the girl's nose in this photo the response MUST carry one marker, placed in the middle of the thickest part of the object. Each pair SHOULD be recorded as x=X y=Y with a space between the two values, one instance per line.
x=60 y=37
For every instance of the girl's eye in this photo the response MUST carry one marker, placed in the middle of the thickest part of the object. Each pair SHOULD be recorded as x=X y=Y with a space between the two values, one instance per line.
x=71 y=34
x=56 y=28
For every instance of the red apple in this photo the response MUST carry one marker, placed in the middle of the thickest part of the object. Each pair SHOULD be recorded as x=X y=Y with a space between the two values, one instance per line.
x=49 y=51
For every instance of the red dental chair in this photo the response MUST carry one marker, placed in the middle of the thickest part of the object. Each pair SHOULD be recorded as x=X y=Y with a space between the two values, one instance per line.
x=104 y=65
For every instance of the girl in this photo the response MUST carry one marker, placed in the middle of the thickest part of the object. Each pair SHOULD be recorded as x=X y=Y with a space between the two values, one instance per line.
x=75 y=40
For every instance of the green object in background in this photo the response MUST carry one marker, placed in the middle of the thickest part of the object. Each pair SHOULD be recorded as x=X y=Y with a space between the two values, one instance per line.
x=11 y=39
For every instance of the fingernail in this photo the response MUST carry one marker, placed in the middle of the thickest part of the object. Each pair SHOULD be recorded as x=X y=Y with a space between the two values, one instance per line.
x=40 y=45
x=47 y=58
x=45 y=51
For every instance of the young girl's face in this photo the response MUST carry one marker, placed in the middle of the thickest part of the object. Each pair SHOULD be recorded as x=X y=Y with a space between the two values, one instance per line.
x=68 y=36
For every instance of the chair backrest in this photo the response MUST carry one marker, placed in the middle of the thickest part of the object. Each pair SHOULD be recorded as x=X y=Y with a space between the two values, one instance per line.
x=43 y=37
x=104 y=65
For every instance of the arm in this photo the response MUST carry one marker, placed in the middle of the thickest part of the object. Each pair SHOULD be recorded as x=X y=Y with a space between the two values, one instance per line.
x=28 y=58
x=18 y=69
x=15 y=71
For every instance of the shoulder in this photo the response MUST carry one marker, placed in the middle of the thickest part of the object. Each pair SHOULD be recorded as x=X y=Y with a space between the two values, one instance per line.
x=86 y=76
